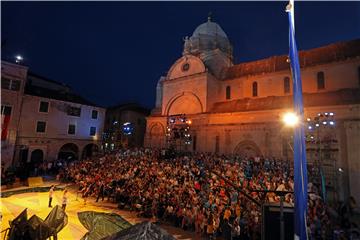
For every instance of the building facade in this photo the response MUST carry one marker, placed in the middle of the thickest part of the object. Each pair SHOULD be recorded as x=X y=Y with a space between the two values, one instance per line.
x=125 y=126
x=53 y=123
x=13 y=79
x=238 y=108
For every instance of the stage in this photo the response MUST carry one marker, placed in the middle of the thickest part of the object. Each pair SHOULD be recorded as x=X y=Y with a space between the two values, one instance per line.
x=37 y=203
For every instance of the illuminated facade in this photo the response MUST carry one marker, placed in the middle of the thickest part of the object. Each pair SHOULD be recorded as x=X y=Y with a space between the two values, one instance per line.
x=50 y=121
x=237 y=108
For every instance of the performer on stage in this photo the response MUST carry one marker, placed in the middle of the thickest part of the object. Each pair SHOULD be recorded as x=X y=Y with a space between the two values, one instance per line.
x=51 y=193
x=101 y=192
x=64 y=200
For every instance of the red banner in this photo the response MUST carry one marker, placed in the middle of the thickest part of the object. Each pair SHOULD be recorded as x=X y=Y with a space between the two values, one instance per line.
x=4 y=127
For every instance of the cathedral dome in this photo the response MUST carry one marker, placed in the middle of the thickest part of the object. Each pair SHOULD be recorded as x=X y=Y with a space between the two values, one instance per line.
x=211 y=44
x=207 y=37
x=210 y=29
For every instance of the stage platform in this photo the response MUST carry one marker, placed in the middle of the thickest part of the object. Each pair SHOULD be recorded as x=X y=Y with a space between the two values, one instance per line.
x=37 y=203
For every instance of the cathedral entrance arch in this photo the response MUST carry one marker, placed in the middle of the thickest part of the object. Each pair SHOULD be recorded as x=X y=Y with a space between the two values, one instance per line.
x=184 y=103
x=247 y=149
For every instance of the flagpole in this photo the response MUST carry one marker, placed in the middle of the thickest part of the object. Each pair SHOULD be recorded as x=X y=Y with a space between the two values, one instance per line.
x=300 y=166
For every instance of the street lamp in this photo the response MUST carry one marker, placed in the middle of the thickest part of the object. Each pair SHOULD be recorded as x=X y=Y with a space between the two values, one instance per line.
x=18 y=59
x=290 y=119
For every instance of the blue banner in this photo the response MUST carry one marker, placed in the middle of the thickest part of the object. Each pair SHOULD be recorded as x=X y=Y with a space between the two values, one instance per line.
x=300 y=168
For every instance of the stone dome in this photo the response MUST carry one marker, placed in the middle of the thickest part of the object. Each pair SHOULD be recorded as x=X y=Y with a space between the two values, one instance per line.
x=207 y=37
x=210 y=29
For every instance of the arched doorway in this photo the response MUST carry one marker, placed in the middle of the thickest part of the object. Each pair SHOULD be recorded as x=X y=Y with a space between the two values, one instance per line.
x=157 y=134
x=247 y=149
x=36 y=159
x=89 y=150
x=69 y=152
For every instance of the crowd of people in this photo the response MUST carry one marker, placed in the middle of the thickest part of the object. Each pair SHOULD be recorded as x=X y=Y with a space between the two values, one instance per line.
x=194 y=192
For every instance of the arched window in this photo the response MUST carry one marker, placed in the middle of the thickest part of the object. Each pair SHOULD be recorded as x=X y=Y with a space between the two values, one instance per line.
x=228 y=92
x=286 y=85
x=255 y=89
x=320 y=80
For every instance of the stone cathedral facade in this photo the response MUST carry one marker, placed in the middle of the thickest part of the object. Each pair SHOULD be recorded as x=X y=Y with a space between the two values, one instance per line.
x=238 y=108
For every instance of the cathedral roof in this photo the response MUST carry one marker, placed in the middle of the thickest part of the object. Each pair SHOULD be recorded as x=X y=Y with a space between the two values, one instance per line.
x=330 y=53
x=340 y=97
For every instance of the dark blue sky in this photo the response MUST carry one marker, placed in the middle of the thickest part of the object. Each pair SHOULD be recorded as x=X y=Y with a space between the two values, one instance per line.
x=115 y=52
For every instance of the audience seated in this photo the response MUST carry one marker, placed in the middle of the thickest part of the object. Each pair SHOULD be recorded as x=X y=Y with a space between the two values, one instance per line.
x=184 y=191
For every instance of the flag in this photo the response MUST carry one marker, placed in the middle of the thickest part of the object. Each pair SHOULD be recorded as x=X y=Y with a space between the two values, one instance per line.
x=300 y=169
x=5 y=120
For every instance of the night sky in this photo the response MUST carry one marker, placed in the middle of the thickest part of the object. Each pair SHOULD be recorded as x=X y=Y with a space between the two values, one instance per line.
x=115 y=52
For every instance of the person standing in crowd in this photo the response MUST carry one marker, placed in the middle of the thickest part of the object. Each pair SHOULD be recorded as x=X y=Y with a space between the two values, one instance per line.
x=51 y=194
x=210 y=227
x=64 y=200
x=235 y=231
x=101 y=192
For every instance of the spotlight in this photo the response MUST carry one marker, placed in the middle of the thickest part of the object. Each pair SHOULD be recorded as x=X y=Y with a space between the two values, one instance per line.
x=331 y=114
x=18 y=58
x=332 y=123
x=317 y=125
x=310 y=127
x=324 y=122
x=290 y=119
x=308 y=119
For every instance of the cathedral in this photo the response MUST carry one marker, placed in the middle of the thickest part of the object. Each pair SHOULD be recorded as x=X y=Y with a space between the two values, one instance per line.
x=208 y=103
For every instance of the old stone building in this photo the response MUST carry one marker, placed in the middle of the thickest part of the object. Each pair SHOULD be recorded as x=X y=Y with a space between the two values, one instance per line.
x=48 y=121
x=13 y=79
x=237 y=108
x=125 y=126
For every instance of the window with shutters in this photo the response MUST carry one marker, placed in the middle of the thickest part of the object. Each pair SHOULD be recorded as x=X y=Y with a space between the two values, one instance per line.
x=44 y=107
x=10 y=84
x=71 y=129
x=40 y=127
x=74 y=111
x=92 y=131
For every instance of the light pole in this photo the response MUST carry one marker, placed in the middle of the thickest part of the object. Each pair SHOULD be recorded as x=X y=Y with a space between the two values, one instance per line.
x=18 y=59
x=290 y=119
